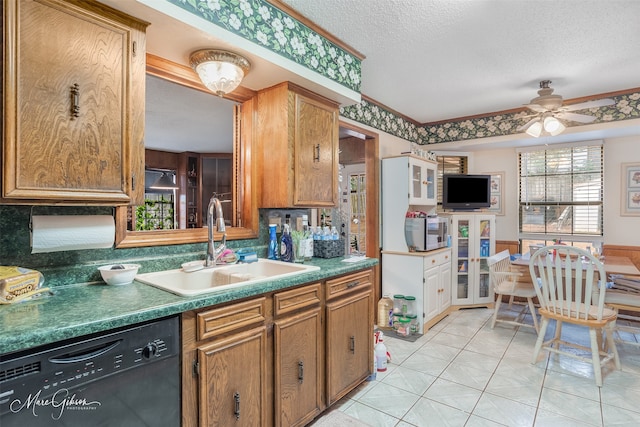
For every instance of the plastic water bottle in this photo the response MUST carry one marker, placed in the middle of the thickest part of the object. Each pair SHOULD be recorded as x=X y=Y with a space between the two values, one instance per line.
x=334 y=234
x=326 y=233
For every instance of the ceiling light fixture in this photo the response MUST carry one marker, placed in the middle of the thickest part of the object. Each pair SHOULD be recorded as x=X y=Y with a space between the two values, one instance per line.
x=535 y=129
x=553 y=125
x=546 y=123
x=165 y=182
x=220 y=71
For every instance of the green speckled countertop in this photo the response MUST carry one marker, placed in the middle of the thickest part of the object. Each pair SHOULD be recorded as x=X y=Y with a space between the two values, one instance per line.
x=78 y=310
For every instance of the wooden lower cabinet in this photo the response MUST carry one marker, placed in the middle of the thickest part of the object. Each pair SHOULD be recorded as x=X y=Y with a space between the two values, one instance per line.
x=232 y=386
x=298 y=368
x=278 y=359
x=349 y=343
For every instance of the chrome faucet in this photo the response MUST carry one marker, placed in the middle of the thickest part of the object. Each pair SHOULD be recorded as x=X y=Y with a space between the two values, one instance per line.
x=213 y=254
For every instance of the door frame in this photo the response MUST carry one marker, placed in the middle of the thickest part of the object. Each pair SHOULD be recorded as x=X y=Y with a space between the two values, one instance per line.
x=372 y=171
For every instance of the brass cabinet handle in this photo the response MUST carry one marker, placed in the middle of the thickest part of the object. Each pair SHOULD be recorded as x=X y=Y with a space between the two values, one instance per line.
x=316 y=153
x=301 y=371
x=236 y=399
x=75 y=101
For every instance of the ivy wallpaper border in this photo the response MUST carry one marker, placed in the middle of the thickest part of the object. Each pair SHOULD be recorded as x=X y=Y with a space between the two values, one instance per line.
x=626 y=107
x=264 y=24
x=378 y=117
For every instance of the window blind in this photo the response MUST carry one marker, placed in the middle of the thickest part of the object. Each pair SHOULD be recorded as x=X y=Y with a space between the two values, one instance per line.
x=561 y=191
x=449 y=165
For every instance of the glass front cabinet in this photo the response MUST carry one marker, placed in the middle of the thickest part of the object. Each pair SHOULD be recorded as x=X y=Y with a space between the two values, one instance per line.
x=473 y=241
x=422 y=176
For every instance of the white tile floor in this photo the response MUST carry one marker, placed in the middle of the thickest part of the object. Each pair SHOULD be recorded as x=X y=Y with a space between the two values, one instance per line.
x=463 y=373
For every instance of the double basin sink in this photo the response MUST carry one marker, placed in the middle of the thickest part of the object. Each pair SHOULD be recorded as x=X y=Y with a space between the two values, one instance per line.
x=223 y=277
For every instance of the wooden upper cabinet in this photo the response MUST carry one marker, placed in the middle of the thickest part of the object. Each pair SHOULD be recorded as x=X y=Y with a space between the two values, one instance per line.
x=74 y=103
x=297 y=139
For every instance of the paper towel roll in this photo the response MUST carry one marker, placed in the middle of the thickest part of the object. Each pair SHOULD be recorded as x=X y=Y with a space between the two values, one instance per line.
x=55 y=233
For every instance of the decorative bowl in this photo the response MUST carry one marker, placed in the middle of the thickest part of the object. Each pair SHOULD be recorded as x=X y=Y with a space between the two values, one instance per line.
x=119 y=274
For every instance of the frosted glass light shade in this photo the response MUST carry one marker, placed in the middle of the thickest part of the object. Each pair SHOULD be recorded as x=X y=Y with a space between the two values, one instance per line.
x=553 y=126
x=535 y=129
x=219 y=70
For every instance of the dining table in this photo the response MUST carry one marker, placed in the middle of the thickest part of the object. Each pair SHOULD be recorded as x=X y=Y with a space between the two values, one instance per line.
x=612 y=264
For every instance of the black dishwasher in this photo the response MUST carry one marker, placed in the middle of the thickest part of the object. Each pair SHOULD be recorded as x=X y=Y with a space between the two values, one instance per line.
x=128 y=377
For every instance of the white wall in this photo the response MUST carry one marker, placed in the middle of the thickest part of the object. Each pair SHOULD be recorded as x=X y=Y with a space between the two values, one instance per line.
x=618 y=229
x=501 y=160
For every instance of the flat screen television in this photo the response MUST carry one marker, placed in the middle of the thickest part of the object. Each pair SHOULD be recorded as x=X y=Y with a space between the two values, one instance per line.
x=466 y=192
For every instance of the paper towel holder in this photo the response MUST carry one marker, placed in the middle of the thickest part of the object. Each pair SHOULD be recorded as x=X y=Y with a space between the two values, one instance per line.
x=113 y=214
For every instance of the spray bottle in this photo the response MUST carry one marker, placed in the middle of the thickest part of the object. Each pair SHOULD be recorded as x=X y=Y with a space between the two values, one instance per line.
x=381 y=353
x=273 y=242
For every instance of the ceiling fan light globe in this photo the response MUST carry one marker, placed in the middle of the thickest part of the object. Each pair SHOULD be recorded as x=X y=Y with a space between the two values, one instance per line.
x=558 y=130
x=553 y=125
x=535 y=130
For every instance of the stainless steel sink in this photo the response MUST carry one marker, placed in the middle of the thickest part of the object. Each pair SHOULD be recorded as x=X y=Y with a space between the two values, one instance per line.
x=218 y=278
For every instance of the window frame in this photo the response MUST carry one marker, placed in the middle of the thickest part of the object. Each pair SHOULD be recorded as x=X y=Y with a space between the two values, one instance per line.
x=580 y=239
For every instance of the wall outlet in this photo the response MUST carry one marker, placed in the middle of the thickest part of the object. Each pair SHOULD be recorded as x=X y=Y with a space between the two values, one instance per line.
x=277 y=221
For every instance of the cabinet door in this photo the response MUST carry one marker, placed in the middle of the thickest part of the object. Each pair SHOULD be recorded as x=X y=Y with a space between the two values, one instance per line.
x=232 y=381
x=484 y=246
x=422 y=179
x=297 y=147
x=69 y=84
x=464 y=260
x=417 y=181
x=432 y=282
x=473 y=243
x=298 y=368
x=316 y=153
x=445 y=286
x=349 y=341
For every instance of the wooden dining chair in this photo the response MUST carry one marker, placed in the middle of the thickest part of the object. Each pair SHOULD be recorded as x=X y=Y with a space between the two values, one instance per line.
x=625 y=296
x=568 y=280
x=507 y=280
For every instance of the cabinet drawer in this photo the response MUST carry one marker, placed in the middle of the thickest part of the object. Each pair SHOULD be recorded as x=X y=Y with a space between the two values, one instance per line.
x=295 y=299
x=437 y=259
x=345 y=284
x=230 y=318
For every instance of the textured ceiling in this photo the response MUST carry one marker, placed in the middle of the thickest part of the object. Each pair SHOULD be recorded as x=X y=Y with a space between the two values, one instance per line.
x=434 y=60
x=431 y=60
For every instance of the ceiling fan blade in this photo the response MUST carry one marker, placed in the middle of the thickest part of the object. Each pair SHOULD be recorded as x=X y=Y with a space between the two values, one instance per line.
x=535 y=107
x=589 y=104
x=526 y=125
x=574 y=117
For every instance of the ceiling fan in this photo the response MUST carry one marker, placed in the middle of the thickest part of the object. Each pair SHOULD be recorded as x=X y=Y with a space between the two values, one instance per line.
x=549 y=110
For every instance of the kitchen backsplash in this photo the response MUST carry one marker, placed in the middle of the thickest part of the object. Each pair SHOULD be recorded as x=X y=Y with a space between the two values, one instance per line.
x=71 y=267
